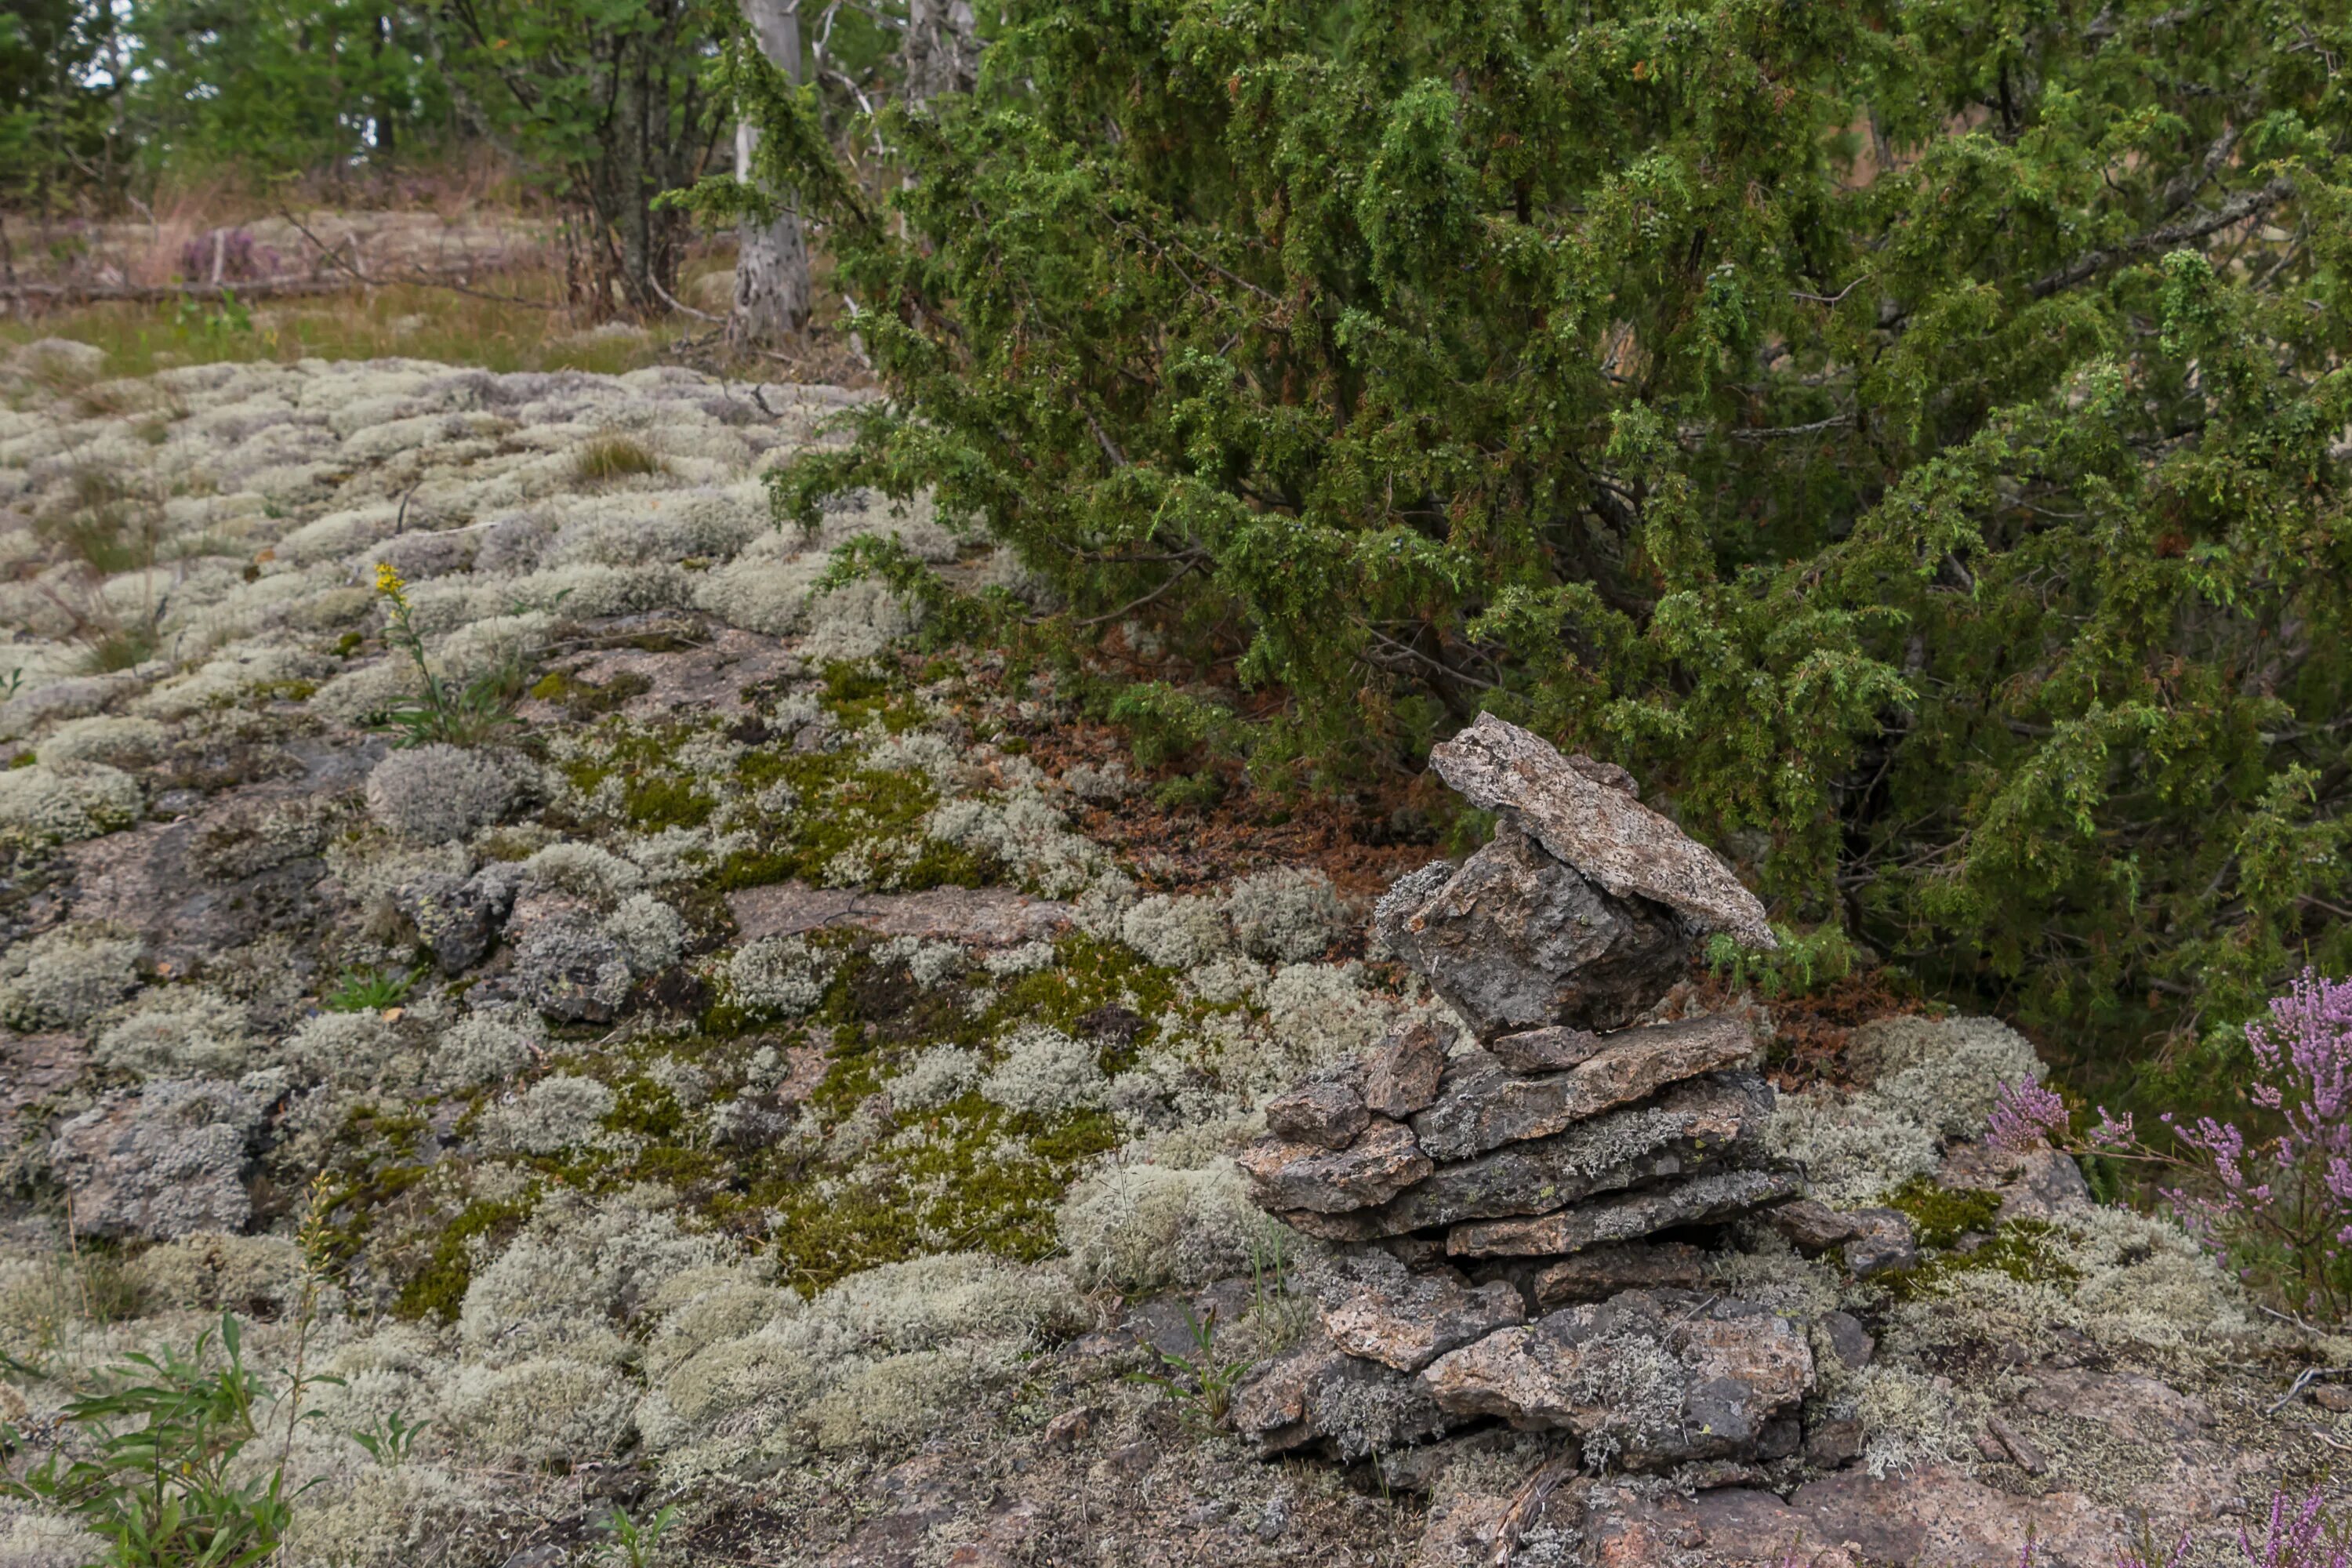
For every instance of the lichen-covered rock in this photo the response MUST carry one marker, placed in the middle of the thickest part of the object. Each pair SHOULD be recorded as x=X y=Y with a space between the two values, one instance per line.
x=1716 y=1196
x=1402 y=1076
x=2033 y=1183
x=169 y=1160
x=1515 y=940
x=1482 y=1106
x=1882 y=1242
x=1810 y=1226
x=1647 y=1379
x=1690 y=1127
x=570 y=970
x=1320 y=1393
x=1380 y=1162
x=1327 y=1112
x=1549 y=1049
x=458 y=917
x=1602 y=831
x=1376 y=1309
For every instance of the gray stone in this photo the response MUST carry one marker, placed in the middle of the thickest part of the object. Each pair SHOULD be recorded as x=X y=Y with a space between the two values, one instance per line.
x=1514 y=940
x=1849 y=1340
x=1482 y=1106
x=1716 y=1196
x=1376 y=1309
x=1650 y=1378
x=1601 y=830
x=1812 y=1227
x=1403 y=1075
x=1381 y=1162
x=1327 y=1112
x=1883 y=1242
x=166 y=1161
x=1693 y=1126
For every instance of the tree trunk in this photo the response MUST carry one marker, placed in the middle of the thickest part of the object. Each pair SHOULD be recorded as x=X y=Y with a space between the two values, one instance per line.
x=942 y=49
x=771 y=264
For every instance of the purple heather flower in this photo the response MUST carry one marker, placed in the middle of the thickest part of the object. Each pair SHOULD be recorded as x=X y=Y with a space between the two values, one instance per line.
x=2025 y=1116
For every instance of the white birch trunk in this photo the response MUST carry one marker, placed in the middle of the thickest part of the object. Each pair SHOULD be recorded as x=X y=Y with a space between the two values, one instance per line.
x=772 y=265
x=942 y=54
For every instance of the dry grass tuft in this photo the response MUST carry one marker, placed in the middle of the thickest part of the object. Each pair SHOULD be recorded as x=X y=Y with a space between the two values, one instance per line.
x=610 y=458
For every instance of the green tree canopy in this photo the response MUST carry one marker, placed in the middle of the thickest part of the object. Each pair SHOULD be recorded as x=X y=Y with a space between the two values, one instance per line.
x=1908 y=434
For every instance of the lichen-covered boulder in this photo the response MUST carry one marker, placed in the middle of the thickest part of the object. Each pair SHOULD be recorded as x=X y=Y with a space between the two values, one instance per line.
x=1383 y=1313
x=1318 y=1392
x=571 y=970
x=1692 y=1126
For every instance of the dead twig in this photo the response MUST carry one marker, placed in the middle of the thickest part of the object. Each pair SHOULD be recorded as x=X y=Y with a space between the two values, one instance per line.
x=2304 y=1380
x=1528 y=1502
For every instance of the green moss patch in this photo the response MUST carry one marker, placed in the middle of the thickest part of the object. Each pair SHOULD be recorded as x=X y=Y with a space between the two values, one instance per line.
x=1944 y=1215
x=2022 y=1248
x=439 y=1289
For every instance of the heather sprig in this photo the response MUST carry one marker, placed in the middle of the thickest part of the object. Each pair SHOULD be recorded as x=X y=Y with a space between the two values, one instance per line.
x=2278 y=1206
x=2026 y=1115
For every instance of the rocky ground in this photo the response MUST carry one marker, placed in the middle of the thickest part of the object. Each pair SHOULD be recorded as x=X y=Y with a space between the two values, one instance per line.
x=797 y=1075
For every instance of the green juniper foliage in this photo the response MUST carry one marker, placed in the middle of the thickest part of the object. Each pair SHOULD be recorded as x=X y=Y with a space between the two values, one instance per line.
x=1905 y=435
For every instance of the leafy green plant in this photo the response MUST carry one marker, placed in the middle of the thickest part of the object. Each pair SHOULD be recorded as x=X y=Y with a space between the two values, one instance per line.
x=1201 y=1383
x=370 y=990
x=146 y=1463
x=634 y=1541
x=227 y=321
x=455 y=714
x=389 y=1439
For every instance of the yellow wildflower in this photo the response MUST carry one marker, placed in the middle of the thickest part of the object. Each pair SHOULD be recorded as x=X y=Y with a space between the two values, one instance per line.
x=388 y=584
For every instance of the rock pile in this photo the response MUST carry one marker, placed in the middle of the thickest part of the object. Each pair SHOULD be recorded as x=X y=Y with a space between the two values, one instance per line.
x=1500 y=1202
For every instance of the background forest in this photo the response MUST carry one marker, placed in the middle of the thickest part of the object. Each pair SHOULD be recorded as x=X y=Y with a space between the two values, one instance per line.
x=1909 y=437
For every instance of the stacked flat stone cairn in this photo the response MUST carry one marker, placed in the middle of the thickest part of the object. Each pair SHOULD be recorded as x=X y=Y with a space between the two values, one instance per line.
x=1498 y=1202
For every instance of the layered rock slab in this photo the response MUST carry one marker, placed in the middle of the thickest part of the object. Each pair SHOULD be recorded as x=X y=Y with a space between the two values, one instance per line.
x=1604 y=832
x=1483 y=1105
x=1658 y=1378
x=1690 y=1127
